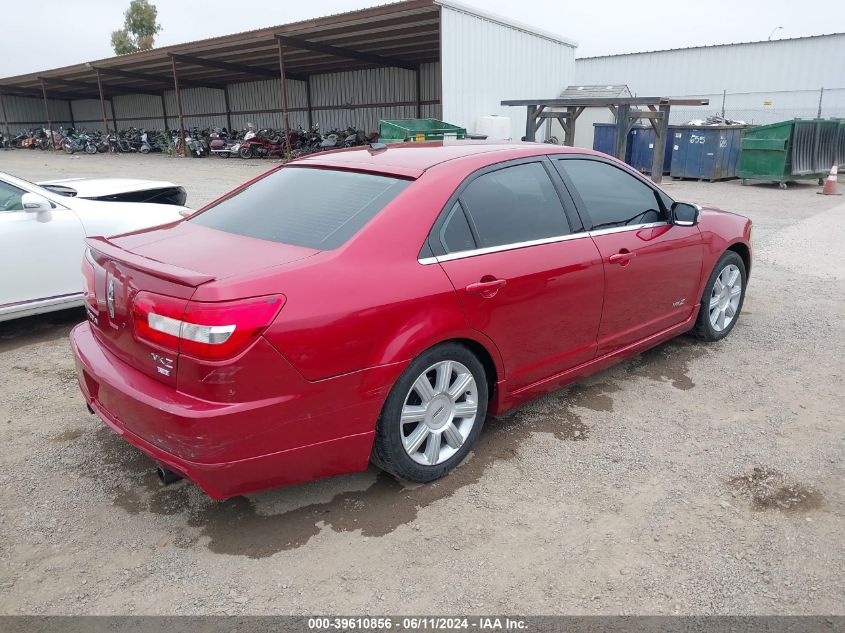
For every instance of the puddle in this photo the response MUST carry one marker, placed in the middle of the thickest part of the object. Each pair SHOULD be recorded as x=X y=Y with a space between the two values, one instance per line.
x=68 y=436
x=135 y=485
x=235 y=526
x=669 y=362
x=768 y=489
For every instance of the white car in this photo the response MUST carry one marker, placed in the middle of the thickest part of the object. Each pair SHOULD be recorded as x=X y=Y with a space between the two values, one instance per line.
x=42 y=232
x=118 y=190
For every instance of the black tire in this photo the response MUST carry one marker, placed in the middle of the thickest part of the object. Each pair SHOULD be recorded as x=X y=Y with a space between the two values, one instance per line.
x=245 y=152
x=388 y=451
x=704 y=329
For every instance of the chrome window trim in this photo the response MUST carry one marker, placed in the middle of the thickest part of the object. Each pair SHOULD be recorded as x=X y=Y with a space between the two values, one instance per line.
x=425 y=261
x=503 y=247
x=632 y=227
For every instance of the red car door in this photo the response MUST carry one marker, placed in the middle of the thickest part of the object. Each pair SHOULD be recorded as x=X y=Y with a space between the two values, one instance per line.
x=652 y=267
x=526 y=273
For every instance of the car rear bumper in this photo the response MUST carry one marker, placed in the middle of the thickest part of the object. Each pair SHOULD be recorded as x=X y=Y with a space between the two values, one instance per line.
x=192 y=437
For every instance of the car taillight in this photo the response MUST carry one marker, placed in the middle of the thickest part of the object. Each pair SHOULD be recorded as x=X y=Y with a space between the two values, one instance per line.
x=158 y=319
x=210 y=331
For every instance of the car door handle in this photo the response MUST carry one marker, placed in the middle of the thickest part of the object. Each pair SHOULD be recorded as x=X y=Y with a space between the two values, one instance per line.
x=487 y=288
x=622 y=257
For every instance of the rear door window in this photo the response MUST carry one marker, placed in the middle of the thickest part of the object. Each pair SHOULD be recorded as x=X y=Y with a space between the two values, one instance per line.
x=314 y=208
x=514 y=204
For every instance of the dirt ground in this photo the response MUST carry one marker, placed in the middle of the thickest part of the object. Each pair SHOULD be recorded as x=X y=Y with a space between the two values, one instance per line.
x=695 y=479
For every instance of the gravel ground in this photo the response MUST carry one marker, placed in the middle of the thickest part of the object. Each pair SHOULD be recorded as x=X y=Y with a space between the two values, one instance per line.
x=695 y=479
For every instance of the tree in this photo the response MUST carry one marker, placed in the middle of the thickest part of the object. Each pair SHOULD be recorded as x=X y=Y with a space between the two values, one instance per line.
x=139 y=28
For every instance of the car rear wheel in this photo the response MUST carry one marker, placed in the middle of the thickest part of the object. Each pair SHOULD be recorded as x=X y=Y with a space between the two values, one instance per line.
x=433 y=415
x=722 y=300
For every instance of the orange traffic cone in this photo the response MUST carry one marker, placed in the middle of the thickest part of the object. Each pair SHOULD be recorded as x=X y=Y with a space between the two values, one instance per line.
x=830 y=183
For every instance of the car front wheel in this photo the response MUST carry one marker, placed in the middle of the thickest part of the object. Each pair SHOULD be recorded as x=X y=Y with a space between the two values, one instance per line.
x=722 y=300
x=433 y=415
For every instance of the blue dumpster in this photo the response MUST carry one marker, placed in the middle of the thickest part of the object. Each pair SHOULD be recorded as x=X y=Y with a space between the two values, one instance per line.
x=705 y=153
x=642 y=148
x=604 y=140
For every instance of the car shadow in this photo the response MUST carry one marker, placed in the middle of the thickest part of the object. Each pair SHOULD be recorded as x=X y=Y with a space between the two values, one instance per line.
x=40 y=328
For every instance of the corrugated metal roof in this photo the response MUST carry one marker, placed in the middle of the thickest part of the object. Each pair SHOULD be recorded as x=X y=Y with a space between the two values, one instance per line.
x=498 y=19
x=401 y=34
x=588 y=92
x=686 y=48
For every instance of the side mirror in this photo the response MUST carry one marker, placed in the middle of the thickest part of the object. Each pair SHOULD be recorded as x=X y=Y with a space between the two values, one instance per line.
x=685 y=214
x=33 y=203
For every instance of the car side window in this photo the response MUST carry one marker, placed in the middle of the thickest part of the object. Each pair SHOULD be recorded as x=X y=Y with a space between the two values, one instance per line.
x=613 y=198
x=514 y=204
x=10 y=197
x=455 y=235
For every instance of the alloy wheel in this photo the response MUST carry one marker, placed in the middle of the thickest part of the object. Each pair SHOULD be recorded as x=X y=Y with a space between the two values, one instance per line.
x=439 y=412
x=724 y=297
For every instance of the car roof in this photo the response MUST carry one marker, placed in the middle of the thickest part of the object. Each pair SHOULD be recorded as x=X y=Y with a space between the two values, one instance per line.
x=412 y=159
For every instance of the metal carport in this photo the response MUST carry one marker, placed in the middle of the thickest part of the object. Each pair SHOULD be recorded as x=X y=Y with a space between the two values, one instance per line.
x=389 y=61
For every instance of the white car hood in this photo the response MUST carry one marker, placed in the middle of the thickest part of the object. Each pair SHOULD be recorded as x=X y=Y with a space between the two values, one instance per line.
x=99 y=187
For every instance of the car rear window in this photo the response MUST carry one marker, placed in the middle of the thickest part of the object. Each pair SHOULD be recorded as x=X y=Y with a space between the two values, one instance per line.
x=314 y=208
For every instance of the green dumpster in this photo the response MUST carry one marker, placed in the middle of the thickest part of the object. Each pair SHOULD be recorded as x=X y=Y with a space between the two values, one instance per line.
x=790 y=150
x=397 y=130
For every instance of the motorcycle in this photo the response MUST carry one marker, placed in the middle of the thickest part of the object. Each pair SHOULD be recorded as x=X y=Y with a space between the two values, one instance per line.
x=77 y=142
x=46 y=139
x=101 y=141
x=222 y=145
x=126 y=142
x=355 y=137
x=260 y=146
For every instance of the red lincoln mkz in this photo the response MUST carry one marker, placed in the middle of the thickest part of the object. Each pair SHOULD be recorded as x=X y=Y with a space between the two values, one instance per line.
x=377 y=304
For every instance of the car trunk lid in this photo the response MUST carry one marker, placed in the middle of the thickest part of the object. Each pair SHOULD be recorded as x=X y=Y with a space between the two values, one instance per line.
x=167 y=263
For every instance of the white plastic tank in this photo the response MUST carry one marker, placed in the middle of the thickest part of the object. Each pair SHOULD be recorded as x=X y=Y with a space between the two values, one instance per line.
x=495 y=127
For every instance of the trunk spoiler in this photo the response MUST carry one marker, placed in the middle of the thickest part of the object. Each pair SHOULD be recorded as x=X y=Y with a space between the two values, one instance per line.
x=169 y=272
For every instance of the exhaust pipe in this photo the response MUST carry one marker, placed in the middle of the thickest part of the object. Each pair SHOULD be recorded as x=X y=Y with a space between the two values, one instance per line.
x=167 y=476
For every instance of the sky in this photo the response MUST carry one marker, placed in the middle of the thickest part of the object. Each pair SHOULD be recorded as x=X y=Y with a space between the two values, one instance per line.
x=600 y=27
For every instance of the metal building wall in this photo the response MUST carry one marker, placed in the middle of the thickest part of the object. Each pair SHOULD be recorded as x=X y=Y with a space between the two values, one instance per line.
x=259 y=103
x=28 y=112
x=485 y=61
x=88 y=115
x=764 y=81
x=140 y=111
x=360 y=98
x=201 y=107
x=357 y=98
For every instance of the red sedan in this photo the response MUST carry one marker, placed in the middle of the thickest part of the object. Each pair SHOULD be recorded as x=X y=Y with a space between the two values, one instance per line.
x=377 y=304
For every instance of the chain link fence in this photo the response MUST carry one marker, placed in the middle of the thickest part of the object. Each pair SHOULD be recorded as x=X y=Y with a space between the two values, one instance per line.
x=760 y=108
